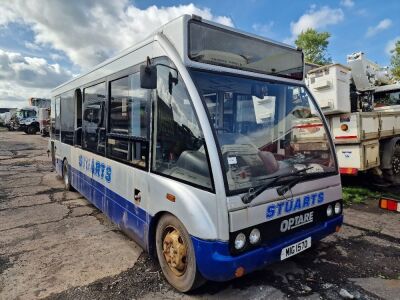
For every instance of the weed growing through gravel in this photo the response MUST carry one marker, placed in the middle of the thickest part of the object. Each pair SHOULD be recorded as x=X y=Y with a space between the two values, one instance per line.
x=358 y=195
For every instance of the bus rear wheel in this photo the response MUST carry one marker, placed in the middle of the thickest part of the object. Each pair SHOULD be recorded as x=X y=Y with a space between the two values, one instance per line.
x=66 y=178
x=175 y=254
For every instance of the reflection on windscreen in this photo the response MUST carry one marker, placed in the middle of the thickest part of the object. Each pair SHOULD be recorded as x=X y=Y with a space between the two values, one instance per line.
x=213 y=45
x=263 y=128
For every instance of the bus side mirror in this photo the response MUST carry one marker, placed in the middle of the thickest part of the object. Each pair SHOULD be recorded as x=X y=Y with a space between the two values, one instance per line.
x=148 y=77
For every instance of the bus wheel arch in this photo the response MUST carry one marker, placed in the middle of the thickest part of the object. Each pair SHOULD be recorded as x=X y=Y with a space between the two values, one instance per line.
x=175 y=253
x=151 y=236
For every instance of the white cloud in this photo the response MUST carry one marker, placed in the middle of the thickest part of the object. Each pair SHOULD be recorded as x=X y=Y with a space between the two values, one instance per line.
x=382 y=25
x=94 y=30
x=24 y=76
x=264 y=29
x=347 y=3
x=31 y=46
x=55 y=56
x=315 y=19
x=390 y=45
x=86 y=34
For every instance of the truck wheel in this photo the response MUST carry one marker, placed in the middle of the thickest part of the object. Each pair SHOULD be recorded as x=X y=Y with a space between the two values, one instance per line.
x=31 y=130
x=66 y=178
x=175 y=254
x=393 y=175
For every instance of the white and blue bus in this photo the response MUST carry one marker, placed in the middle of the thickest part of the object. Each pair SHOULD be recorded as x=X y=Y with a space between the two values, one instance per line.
x=187 y=141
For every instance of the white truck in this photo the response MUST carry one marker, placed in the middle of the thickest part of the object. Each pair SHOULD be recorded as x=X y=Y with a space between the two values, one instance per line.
x=361 y=103
x=33 y=118
x=25 y=119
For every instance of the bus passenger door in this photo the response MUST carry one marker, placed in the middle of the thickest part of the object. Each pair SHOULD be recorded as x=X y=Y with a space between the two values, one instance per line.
x=127 y=144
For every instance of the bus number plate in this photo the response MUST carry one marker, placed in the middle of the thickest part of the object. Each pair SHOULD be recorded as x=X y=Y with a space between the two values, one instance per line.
x=295 y=248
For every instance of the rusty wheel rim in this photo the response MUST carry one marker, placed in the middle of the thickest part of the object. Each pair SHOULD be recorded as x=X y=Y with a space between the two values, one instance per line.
x=175 y=250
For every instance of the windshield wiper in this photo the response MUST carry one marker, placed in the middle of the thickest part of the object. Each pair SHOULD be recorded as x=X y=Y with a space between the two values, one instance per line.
x=254 y=192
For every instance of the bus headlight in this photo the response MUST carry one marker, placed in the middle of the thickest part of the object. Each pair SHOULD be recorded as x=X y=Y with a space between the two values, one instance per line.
x=254 y=236
x=338 y=208
x=329 y=210
x=240 y=241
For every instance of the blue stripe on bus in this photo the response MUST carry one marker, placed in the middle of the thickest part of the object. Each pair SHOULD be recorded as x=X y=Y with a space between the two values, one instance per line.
x=130 y=218
x=215 y=262
x=212 y=257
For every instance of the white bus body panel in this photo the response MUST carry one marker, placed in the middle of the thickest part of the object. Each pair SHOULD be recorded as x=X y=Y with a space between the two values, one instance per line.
x=194 y=207
x=256 y=213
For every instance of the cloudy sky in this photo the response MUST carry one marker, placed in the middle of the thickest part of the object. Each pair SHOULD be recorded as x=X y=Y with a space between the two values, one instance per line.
x=45 y=42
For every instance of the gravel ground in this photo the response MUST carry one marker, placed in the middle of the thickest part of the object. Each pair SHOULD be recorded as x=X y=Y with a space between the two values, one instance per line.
x=55 y=245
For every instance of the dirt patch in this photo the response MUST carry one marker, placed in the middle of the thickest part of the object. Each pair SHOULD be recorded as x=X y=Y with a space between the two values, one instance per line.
x=4 y=264
x=369 y=205
x=323 y=270
x=144 y=277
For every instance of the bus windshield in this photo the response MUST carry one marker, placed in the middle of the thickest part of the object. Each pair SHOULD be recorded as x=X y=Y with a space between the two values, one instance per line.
x=264 y=128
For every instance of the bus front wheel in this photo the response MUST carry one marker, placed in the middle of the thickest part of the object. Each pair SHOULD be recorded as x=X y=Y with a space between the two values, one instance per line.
x=175 y=254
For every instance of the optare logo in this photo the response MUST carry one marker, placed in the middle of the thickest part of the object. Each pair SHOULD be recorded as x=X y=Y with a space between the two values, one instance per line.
x=297 y=221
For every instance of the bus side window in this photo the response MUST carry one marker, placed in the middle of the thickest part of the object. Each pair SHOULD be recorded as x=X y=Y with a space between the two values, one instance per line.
x=93 y=123
x=179 y=147
x=57 y=119
x=53 y=118
x=129 y=110
x=78 y=118
x=67 y=117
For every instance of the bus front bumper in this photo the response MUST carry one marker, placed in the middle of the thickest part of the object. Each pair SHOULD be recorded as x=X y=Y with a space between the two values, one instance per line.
x=215 y=262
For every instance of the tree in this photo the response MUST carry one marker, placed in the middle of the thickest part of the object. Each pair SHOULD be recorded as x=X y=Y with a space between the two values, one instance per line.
x=314 y=45
x=395 y=60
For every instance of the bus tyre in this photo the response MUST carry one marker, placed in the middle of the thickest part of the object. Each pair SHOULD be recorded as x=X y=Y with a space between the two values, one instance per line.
x=66 y=178
x=175 y=254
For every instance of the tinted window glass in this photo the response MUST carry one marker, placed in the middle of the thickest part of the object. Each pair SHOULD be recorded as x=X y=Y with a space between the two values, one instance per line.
x=93 y=124
x=129 y=110
x=217 y=46
x=67 y=118
x=265 y=129
x=179 y=149
x=53 y=118
x=57 y=119
x=128 y=107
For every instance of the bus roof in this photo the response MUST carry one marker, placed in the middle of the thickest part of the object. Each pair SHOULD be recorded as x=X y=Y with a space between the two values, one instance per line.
x=176 y=32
